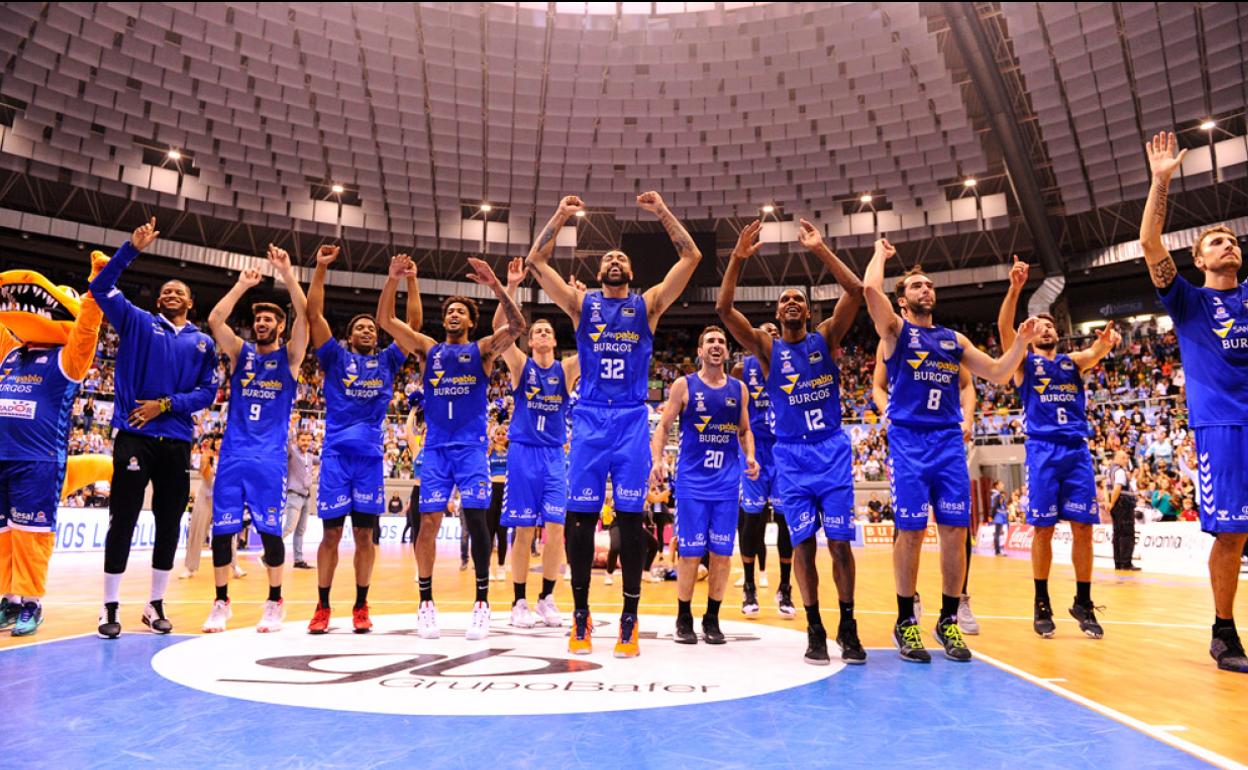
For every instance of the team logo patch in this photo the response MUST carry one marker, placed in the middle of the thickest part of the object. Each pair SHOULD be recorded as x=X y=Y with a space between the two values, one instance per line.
x=1068 y=365
x=1224 y=328
x=41 y=360
x=134 y=464
x=17 y=408
x=815 y=357
x=628 y=312
x=1043 y=386
x=370 y=363
x=915 y=363
x=730 y=401
x=202 y=346
x=595 y=335
x=948 y=345
x=270 y=364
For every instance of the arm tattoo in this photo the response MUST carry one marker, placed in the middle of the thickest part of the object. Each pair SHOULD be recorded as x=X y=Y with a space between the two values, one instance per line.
x=1163 y=190
x=548 y=235
x=1163 y=272
x=676 y=231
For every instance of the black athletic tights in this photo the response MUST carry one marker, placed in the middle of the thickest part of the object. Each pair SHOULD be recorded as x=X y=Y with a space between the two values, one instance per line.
x=479 y=541
x=580 y=542
x=752 y=529
x=496 y=530
x=137 y=460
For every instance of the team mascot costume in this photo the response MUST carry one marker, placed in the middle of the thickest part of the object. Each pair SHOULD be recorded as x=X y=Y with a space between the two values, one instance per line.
x=47 y=346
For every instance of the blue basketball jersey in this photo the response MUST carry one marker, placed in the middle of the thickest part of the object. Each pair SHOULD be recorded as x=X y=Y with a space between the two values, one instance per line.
x=804 y=388
x=923 y=377
x=498 y=462
x=1212 y=327
x=455 y=396
x=708 y=467
x=1053 y=399
x=760 y=402
x=541 y=406
x=614 y=342
x=36 y=399
x=262 y=392
x=357 y=392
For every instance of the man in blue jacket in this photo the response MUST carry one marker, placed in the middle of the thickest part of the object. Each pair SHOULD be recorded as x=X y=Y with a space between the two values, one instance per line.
x=165 y=373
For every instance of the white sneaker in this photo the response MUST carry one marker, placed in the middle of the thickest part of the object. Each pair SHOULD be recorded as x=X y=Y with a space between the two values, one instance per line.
x=567 y=574
x=217 y=618
x=740 y=582
x=238 y=571
x=479 y=626
x=608 y=580
x=272 y=617
x=966 y=618
x=763 y=582
x=186 y=573
x=549 y=613
x=502 y=575
x=650 y=577
x=427 y=621
x=521 y=617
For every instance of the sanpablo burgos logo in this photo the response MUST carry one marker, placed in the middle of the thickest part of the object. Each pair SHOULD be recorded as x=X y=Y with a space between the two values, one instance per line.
x=513 y=671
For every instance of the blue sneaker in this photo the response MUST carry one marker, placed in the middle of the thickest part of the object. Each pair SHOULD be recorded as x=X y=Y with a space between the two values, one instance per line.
x=8 y=612
x=28 y=620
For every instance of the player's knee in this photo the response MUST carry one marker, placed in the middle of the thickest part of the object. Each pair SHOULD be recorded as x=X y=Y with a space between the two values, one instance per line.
x=274 y=550
x=222 y=550
x=331 y=535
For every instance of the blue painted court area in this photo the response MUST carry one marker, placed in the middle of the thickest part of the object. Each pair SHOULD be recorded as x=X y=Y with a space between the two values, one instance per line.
x=84 y=702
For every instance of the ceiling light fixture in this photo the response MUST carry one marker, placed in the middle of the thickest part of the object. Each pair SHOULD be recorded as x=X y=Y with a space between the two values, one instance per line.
x=969 y=182
x=1209 y=125
x=486 y=207
x=175 y=155
x=338 y=189
x=768 y=208
x=865 y=198
x=580 y=213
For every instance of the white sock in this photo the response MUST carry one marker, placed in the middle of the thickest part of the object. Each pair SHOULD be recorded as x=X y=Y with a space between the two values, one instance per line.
x=160 y=582
x=112 y=587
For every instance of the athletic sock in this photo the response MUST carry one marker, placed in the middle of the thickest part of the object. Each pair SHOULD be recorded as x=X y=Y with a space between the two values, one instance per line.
x=948 y=607
x=275 y=593
x=812 y=615
x=905 y=608
x=548 y=587
x=323 y=594
x=519 y=589
x=1223 y=625
x=712 y=608
x=223 y=593
x=630 y=603
x=1042 y=589
x=361 y=596
x=749 y=574
x=786 y=569
x=112 y=588
x=426 y=588
x=684 y=609
x=1083 y=593
x=847 y=611
x=483 y=589
x=160 y=582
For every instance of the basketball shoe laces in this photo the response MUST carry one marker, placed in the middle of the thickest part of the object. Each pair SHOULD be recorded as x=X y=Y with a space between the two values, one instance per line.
x=953 y=635
x=912 y=635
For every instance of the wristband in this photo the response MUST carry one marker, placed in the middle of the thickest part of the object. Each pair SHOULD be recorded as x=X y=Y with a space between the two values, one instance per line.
x=165 y=405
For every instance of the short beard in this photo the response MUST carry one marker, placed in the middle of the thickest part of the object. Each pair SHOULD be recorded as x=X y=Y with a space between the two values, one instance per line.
x=793 y=324
x=271 y=339
x=1045 y=346
x=362 y=350
x=621 y=281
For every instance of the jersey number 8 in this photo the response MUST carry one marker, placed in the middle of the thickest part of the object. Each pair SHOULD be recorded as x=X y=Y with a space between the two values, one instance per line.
x=933 y=399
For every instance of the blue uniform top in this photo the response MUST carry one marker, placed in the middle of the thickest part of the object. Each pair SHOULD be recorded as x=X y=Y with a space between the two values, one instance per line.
x=708 y=467
x=455 y=396
x=155 y=359
x=36 y=399
x=541 y=406
x=498 y=462
x=923 y=378
x=262 y=392
x=1212 y=327
x=1053 y=399
x=614 y=341
x=760 y=402
x=357 y=392
x=804 y=387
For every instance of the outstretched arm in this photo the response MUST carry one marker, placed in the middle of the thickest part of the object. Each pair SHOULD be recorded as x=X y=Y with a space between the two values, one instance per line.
x=408 y=339
x=879 y=382
x=660 y=297
x=1009 y=307
x=219 y=318
x=835 y=326
x=79 y=351
x=119 y=311
x=506 y=336
x=317 y=324
x=297 y=348
x=568 y=297
x=415 y=313
x=1162 y=163
x=512 y=354
x=1107 y=338
x=887 y=322
x=754 y=340
x=999 y=370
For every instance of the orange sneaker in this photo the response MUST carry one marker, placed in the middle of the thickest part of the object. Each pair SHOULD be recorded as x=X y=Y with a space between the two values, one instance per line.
x=626 y=646
x=359 y=619
x=579 y=642
x=320 y=620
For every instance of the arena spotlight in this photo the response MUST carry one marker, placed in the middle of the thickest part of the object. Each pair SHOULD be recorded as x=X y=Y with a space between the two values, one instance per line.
x=865 y=198
x=768 y=208
x=486 y=207
x=1209 y=125
x=969 y=182
x=581 y=213
x=338 y=189
x=174 y=155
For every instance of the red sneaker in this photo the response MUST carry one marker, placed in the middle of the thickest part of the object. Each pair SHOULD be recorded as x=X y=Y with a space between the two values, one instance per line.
x=320 y=620
x=359 y=618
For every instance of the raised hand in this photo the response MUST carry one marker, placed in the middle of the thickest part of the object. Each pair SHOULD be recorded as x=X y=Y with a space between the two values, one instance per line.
x=1109 y=334
x=1018 y=273
x=570 y=205
x=748 y=243
x=1030 y=330
x=577 y=283
x=482 y=274
x=249 y=278
x=279 y=259
x=883 y=247
x=326 y=254
x=401 y=266
x=144 y=235
x=650 y=201
x=808 y=235
x=515 y=272
x=1162 y=161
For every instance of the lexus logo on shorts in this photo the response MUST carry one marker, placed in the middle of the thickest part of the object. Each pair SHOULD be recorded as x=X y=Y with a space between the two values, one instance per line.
x=513 y=671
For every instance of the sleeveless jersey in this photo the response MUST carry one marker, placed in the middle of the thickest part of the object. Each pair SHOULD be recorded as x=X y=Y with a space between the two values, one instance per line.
x=923 y=378
x=760 y=402
x=36 y=400
x=262 y=392
x=357 y=392
x=1053 y=399
x=455 y=396
x=614 y=342
x=1212 y=327
x=804 y=388
x=708 y=467
x=498 y=462
x=541 y=406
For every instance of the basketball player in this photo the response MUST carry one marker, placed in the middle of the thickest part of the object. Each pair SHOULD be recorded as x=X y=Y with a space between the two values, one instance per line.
x=456 y=378
x=358 y=384
x=1059 y=464
x=537 y=480
x=1212 y=326
x=812 y=455
x=714 y=434
x=759 y=496
x=262 y=392
x=610 y=425
x=166 y=371
x=927 y=453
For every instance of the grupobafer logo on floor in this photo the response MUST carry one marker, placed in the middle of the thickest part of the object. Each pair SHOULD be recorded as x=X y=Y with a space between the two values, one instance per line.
x=513 y=671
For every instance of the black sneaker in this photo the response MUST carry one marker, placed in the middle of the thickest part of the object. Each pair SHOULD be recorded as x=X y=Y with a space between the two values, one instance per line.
x=110 y=627
x=948 y=634
x=710 y=630
x=909 y=639
x=749 y=604
x=684 y=630
x=1042 y=618
x=847 y=640
x=817 y=646
x=784 y=602
x=1228 y=652
x=154 y=618
x=1086 y=615
x=301 y=564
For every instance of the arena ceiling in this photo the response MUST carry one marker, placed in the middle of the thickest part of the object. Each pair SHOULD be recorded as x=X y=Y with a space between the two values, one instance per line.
x=421 y=112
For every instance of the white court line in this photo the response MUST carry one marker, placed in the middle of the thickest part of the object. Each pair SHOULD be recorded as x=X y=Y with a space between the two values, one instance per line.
x=1159 y=733
x=1171 y=728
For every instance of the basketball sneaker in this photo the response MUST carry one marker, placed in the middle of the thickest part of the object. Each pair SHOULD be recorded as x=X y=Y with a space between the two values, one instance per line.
x=847 y=640
x=1042 y=619
x=608 y=580
x=763 y=582
x=320 y=620
x=949 y=635
x=154 y=618
x=909 y=639
x=549 y=613
x=579 y=641
x=217 y=616
x=918 y=608
x=1086 y=615
x=1227 y=650
x=271 y=617
x=817 y=646
x=479 y=624
x=361 y=623
x=966 y=618
x=740 y=582
x=427 y=621
x=710 y=631
x=521 y=616
x=28 y=620
x=110 y=626
x=684 y=630
x=8 y=612
x=749 y=605
x=626 y=645
x=784 y=602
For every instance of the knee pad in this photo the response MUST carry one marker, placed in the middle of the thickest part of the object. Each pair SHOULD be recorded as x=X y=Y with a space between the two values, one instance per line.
x=222 y=550
x=274 y=550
